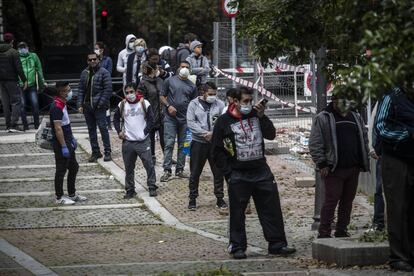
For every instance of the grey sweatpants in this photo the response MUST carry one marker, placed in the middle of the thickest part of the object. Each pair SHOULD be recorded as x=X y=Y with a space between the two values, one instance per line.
x=130 y=151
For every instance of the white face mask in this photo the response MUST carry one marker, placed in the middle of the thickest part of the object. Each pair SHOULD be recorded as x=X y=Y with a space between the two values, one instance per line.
x=184 y=73
x=131 y=97
x=131 y=45
x=97 y=52
x=211 y=99
x=69 y=96
x=245 y=109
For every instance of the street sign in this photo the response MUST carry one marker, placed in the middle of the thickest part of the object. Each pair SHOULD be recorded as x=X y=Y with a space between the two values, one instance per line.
x=229 y=10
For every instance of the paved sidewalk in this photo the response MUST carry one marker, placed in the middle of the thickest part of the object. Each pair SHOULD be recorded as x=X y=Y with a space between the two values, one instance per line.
x=110 y=235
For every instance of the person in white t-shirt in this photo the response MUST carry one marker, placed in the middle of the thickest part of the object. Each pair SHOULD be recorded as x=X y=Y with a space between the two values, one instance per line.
x=133 y=120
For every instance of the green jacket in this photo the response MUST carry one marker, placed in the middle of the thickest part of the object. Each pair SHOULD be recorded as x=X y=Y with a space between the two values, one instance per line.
x=32 y=67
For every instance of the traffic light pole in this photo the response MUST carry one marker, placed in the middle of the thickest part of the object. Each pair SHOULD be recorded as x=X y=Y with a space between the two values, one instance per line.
x=1 y=21
x=94 y=21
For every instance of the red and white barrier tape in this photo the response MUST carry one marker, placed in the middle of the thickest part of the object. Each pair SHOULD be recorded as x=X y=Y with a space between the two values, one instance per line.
x=287 y=67
x=263 y=91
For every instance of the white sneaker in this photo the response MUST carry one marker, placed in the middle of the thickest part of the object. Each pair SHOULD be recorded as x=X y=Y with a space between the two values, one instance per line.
x=77 y=198
x=64 y=201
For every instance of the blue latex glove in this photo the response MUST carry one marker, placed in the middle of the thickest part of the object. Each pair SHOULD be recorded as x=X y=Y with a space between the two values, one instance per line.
x=74 y=143
x=65 y=152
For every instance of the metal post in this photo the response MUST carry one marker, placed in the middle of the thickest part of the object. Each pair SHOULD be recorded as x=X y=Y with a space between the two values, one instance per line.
x=1 y=21
x=216 y=47
x=233 y=47
x=295 y=88
x=313 y=78
x=169 y=33
x=255 y=79
x=94 y=20
x=320 y=104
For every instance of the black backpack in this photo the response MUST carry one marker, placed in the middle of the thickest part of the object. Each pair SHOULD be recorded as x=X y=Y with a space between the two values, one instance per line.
x=171 y=57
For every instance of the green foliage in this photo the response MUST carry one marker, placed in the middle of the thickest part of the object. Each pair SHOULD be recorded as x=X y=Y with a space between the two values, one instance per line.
x=374 y=236
x=294 y=28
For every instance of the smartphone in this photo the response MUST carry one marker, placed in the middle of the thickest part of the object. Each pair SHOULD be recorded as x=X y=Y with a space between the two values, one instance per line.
x=263 y=102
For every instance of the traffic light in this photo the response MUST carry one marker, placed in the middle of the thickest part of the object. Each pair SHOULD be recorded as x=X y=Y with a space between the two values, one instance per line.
x=104 y=19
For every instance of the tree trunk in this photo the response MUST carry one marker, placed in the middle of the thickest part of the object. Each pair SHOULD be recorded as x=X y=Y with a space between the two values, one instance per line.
x=34 y=25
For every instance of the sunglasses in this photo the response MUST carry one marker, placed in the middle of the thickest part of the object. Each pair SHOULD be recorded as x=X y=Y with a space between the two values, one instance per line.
x=92 y=59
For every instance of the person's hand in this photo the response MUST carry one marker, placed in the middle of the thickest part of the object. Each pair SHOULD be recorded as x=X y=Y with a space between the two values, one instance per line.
x=208 y=136
x=121 y=135
x=161 y=71
x=80 y=109
x=65 y=151
x=74 y=143
x=324 y=172
x=373 y=154
x=25 y=85
x=45 y=84
x=172 y=111
x=259 y=109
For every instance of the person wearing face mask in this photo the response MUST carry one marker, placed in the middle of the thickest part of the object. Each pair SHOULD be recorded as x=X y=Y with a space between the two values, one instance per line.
x=338 y=144
x=238 y=151
x=94 y=92
x=177 y=93
x=133 y=71
x=152 y=87
x=64 y=146
x=123 y=55
x=198 y=62
x=202 y=113
x=10 y=72
x=133 y=121
x=104 y=62
x=32 y=68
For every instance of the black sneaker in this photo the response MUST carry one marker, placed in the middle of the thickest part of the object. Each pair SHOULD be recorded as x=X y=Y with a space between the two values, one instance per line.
x=94 y=157
x=283 y=251
x=152 y=192
x=181 y=174
x=239 y=254
x=130 y=195
x=221 y=204
x=192 y=204
x=14 y=129
x=342 y=234
x=165 y=176
x=401 y=266
x=107 y=157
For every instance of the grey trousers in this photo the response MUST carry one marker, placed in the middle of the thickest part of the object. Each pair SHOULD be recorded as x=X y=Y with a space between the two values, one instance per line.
x=10 y=95
x=130 y=151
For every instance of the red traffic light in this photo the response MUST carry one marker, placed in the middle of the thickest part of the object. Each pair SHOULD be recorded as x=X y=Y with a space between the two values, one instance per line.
x=104 y=13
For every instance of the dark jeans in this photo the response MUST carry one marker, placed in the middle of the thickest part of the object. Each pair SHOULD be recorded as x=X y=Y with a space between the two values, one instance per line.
x=200 y=153
x=172 y=129
x=62 y=165
x=10 y=96
x=97 y=118
x=30 y=96
x=130 y=151
x=378 y=198
x=340 y=187
x=161 y=136
x=260 y=185
x=398 y=184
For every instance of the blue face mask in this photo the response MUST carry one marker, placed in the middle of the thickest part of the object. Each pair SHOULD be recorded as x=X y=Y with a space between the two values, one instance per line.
x=139 y=49
x=245 y=109
x=69 y=96
x=23 y=51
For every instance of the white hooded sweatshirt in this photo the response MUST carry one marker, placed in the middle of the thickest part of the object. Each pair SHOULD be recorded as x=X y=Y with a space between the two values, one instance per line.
x=123 y=56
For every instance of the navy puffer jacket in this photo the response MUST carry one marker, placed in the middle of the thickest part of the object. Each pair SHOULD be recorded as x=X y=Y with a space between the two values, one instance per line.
x=101 y=88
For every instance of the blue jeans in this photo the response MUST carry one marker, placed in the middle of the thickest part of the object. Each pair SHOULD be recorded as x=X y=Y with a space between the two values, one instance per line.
x=30 y=96
x=97 y=118
x=172 y=129
x=378 y=198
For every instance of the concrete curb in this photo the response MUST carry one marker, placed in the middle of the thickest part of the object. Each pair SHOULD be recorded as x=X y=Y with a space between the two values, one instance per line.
x=153 y=204
x=24 y=260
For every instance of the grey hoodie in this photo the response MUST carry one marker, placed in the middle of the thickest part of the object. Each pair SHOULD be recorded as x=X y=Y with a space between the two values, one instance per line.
x=123 y=56
x=198 y=118
x=199 y=66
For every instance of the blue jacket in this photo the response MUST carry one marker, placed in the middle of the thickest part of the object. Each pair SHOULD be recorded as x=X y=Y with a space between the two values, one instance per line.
x=101 y=88
x=394 y=123
x=106 y=63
